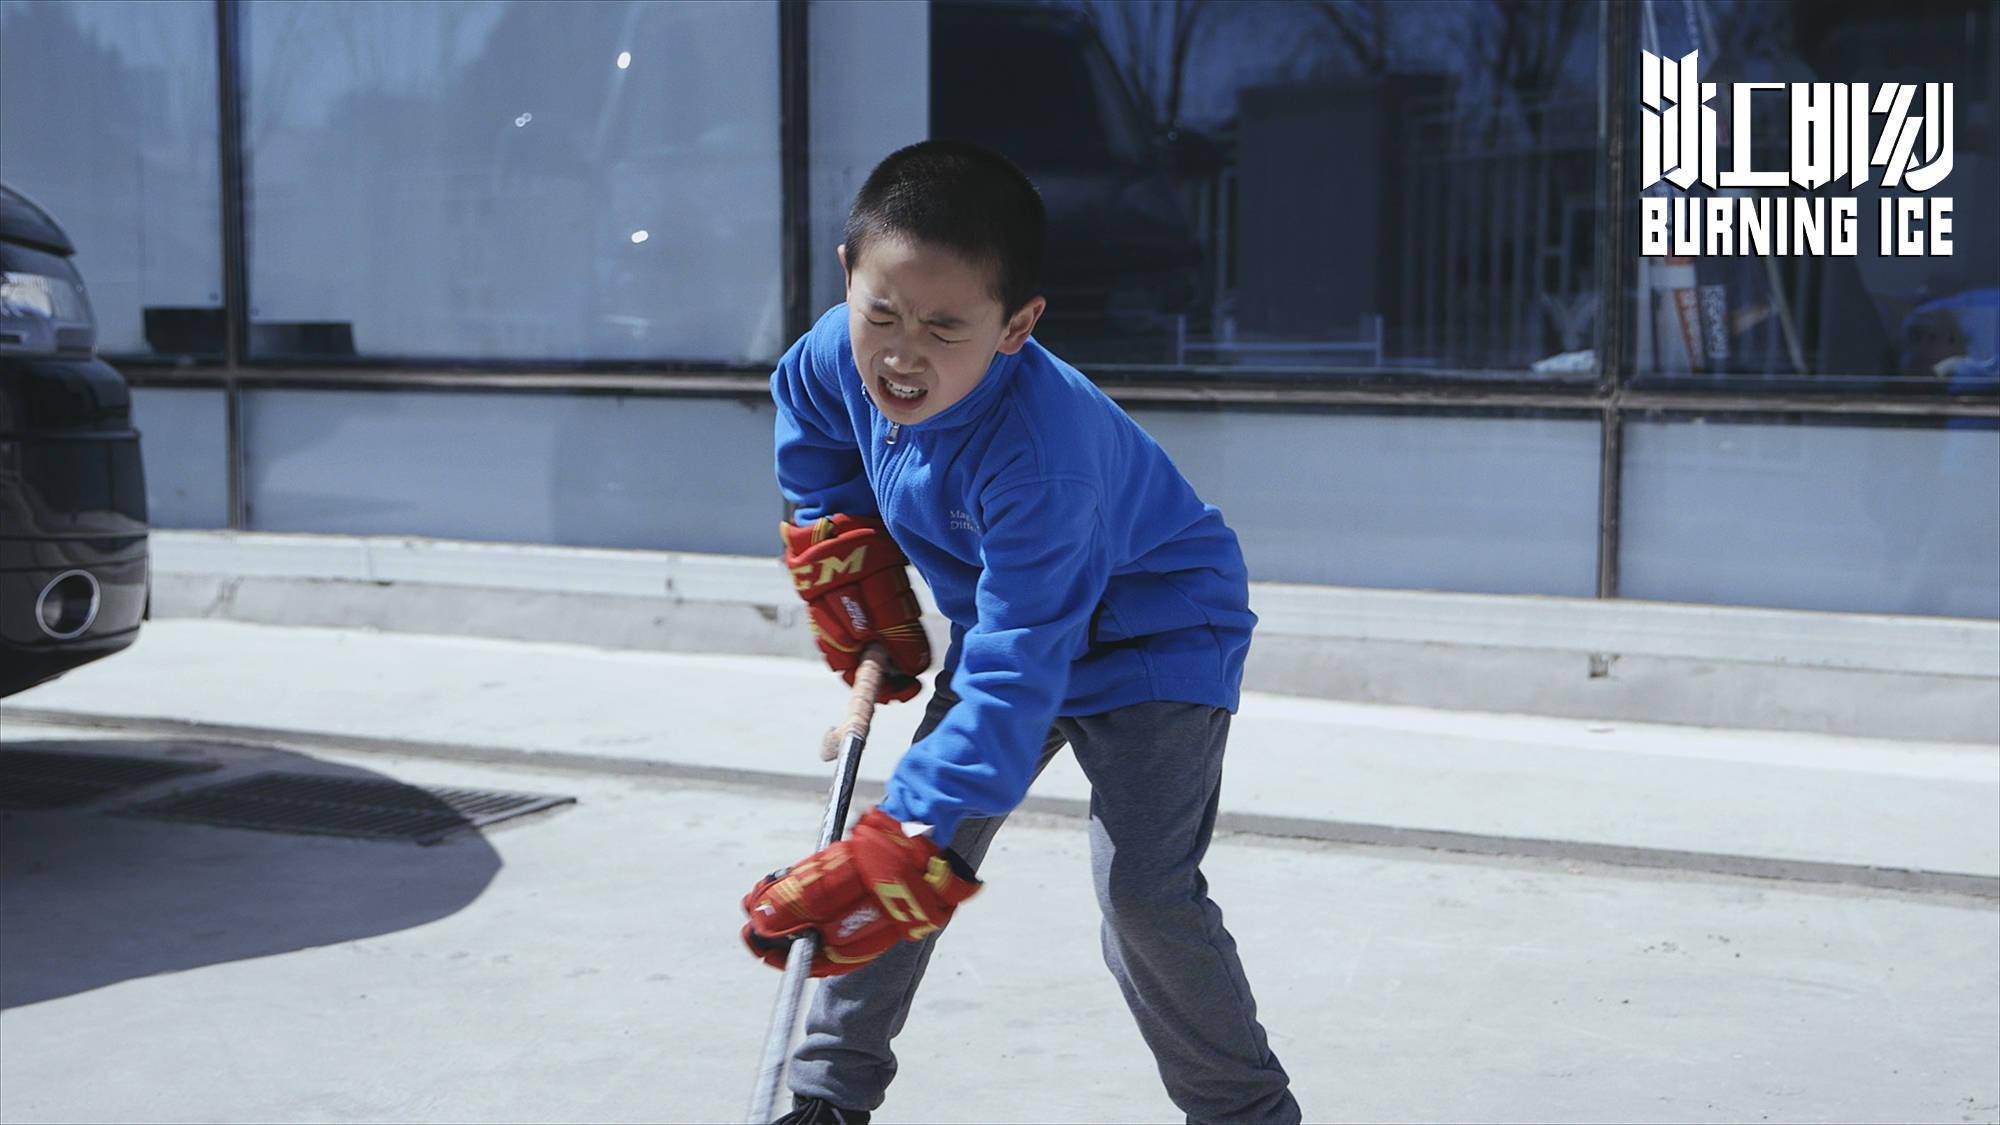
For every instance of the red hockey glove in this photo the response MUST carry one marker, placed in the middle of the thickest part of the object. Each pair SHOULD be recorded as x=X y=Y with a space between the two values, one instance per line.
x=863 y=894
x=856 y=586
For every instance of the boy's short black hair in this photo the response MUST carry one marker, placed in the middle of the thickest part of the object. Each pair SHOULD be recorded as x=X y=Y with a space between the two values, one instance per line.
x=961 y=197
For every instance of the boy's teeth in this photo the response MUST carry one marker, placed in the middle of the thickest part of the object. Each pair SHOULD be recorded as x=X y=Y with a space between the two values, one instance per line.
x=901 y=391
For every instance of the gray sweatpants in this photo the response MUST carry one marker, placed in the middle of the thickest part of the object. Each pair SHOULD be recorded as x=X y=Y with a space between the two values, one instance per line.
x=1155 y=773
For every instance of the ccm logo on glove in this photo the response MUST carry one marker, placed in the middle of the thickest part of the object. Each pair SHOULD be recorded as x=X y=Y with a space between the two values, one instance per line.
x=856 y=586
x=829 y=569
x=862 y=895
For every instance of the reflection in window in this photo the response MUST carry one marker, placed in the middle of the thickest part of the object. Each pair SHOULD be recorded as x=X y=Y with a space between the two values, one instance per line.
x=857 y=115
x=1866 y=322
x=513 y=180
x=108 y=120
x=1266 y=184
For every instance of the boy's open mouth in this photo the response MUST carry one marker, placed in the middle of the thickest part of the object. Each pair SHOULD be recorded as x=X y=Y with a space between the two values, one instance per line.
x=900 y=394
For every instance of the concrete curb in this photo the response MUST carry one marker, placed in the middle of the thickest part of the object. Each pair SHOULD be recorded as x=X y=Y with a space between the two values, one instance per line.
x=1932 y=679
x=1328 y=831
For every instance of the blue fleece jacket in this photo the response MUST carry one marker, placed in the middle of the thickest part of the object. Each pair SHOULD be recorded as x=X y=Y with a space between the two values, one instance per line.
x=1078 y=567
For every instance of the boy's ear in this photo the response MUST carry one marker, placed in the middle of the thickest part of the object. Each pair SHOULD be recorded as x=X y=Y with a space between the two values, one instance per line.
x=840 y=251
x=1020 y=326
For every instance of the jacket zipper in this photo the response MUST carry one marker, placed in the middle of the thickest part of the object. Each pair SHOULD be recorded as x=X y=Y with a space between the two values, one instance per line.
x=892 y=459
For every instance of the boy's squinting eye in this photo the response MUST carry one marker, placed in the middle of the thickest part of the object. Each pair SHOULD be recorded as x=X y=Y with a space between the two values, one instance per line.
x=891 y=324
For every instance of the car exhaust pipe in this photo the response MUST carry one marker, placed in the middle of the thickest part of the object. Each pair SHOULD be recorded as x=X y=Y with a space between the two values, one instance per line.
x=68 y=605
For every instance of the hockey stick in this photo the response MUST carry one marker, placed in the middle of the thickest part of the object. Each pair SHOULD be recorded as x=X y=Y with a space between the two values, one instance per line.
x=798 y=963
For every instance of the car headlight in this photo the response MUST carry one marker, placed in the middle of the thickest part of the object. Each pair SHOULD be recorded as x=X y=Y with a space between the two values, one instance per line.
x=42 y=313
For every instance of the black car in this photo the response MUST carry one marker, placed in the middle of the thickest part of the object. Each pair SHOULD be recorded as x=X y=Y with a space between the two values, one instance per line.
x=73 y=573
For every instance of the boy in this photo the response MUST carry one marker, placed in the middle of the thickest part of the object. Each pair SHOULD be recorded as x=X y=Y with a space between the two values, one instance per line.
x=1094 y=600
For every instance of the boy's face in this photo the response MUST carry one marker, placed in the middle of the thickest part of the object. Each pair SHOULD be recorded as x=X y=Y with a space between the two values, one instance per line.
x=925 y=326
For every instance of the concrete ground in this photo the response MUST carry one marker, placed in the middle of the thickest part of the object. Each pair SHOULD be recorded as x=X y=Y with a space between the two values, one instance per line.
x=582 y=964
x=1339 y=770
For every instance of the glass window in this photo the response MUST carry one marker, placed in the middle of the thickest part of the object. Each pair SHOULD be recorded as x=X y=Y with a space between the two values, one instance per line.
x=1267 y=187
x=108 y=119
x=494 y=180
x=1739 y=312
x=858 y=115
x=1827 y=515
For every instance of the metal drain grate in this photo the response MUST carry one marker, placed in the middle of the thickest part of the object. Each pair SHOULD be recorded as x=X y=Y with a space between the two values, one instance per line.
x=331 y=806
x=44 y=779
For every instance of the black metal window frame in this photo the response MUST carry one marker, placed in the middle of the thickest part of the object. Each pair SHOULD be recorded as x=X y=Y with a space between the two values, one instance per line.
x=1610 y=398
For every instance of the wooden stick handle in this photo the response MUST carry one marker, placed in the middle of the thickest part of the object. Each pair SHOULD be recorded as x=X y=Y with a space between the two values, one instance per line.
x=861 y=704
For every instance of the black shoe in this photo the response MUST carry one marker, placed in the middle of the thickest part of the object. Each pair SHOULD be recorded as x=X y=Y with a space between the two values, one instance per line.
x=819 y=1111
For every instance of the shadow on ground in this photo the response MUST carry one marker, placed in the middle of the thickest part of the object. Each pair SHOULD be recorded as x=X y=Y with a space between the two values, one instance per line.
x=89 y=899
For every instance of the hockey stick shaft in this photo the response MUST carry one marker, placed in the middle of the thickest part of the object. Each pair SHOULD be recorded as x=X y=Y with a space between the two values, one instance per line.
x=798 y=963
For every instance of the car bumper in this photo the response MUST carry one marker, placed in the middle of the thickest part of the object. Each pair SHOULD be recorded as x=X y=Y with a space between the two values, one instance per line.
x=72 y=503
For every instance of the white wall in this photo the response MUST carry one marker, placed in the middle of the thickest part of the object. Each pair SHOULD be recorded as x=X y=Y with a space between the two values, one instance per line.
x=1493 y=505
x=1853 y=518
x=184 y=441
x=691 y=474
